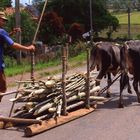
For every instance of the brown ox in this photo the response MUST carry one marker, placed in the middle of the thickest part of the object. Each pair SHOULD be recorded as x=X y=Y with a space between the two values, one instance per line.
x=130 y=62
x=106 y=56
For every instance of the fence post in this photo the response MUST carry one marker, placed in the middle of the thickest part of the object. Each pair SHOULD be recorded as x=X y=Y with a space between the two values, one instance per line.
x=129 y=34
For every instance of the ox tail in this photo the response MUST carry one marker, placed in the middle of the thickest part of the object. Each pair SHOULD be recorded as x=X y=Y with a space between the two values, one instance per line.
x=93 y=55
x=123 y=58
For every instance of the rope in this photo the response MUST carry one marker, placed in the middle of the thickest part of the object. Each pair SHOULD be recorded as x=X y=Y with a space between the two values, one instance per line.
x=105 y=88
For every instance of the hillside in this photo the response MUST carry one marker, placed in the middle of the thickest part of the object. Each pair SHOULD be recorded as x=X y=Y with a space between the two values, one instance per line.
x=123 y=18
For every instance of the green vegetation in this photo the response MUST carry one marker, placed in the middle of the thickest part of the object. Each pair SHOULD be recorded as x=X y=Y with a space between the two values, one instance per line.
x=123 y=17
x=19 y=69
x=122 y=31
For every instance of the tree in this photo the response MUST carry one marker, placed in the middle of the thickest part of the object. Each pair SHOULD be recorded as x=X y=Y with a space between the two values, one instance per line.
x=28 y=27
x=51 y=28
x=77 y=11
x=5 y=3
x=76 y=31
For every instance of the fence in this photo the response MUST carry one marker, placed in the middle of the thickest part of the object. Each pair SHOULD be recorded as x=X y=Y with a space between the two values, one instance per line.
x=122 y=32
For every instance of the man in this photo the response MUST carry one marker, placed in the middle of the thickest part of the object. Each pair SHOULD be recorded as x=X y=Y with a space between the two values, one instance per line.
x=4 y=38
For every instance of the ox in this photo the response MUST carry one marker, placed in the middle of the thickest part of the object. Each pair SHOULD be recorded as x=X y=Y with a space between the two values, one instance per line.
x=106 y=57
x=130 y=62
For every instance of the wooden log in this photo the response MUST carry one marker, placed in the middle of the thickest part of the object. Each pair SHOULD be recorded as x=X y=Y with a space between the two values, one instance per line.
x=95 y=89
x=46 y=125
x=72 y=106
x=79 y=96
x=97 y=98
x=19 y=120
x=27 y=81
x=4 y=125
x=10 y=92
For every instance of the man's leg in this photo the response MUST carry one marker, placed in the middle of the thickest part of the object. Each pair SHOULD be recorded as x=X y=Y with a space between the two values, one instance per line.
x=3 y=86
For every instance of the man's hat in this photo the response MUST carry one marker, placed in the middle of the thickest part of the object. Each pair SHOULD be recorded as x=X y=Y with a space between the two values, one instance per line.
x=2 y=15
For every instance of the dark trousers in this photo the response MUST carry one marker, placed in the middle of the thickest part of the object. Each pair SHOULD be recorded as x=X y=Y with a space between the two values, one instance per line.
x=3 y=86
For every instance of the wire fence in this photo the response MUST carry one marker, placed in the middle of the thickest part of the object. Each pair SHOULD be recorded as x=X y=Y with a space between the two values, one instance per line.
x=122 y=32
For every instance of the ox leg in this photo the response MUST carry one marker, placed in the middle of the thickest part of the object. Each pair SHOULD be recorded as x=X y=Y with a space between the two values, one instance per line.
x=100 y=76
x=108 y=83
x=123 y=84
x=135 y=85
x=129 y=87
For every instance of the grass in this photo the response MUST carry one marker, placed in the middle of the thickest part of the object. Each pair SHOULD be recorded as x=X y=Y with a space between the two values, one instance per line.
x=19 y=69
x=123 y=17
x=122 y=31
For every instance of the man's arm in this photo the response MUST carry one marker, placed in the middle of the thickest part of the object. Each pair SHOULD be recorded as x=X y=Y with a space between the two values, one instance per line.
x=21 y=47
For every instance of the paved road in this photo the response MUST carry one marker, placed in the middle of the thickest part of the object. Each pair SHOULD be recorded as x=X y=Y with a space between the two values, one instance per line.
x=106 y=123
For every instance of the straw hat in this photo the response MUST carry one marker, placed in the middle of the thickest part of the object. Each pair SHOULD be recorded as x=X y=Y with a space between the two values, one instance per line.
x=2 y=15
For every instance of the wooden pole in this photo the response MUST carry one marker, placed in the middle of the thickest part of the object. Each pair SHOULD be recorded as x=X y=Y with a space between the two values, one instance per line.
x=64 y=71
x=87 y=102
x=8 y=93
x=88 y=80
x=18 y=38
x=129 y=34
x=34 y=39
x=18 y=34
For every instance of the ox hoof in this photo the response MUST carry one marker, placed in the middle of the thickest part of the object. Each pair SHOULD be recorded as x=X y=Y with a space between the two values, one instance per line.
x=108 y=95
x=120 y=105
x=129 y=91
x=138 y=98
x=138 y=101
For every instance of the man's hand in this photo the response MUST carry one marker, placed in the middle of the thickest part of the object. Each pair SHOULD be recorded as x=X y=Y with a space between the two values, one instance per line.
x=15 y=30
x=31 y=48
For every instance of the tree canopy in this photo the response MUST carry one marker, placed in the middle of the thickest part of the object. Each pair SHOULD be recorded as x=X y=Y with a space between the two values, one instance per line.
x=5 y=3
x=78 y=11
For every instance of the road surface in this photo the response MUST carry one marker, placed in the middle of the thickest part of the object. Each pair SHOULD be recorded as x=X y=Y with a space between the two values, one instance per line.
x=107 y=122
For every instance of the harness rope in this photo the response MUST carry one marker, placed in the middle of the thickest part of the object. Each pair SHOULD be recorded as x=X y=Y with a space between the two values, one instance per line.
x=105 y=88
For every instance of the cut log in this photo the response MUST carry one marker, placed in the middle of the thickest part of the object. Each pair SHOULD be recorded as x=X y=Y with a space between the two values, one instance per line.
x=4 y=125
x=97 y=98
x=19 y=120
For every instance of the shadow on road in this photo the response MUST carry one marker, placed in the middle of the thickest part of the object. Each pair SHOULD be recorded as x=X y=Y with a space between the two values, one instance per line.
x=129 y=99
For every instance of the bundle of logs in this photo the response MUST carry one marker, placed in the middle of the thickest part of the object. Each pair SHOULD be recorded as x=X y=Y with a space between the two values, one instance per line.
x=43 y=99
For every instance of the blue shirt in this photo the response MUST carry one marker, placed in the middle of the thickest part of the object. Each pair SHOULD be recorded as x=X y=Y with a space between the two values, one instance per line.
x=4 y=38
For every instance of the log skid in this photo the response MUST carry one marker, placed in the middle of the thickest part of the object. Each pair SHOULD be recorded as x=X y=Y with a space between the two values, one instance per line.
x=42 y=103
x=46 y=125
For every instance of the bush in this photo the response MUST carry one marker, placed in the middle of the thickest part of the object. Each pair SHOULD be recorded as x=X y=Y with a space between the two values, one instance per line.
x=10 y=61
